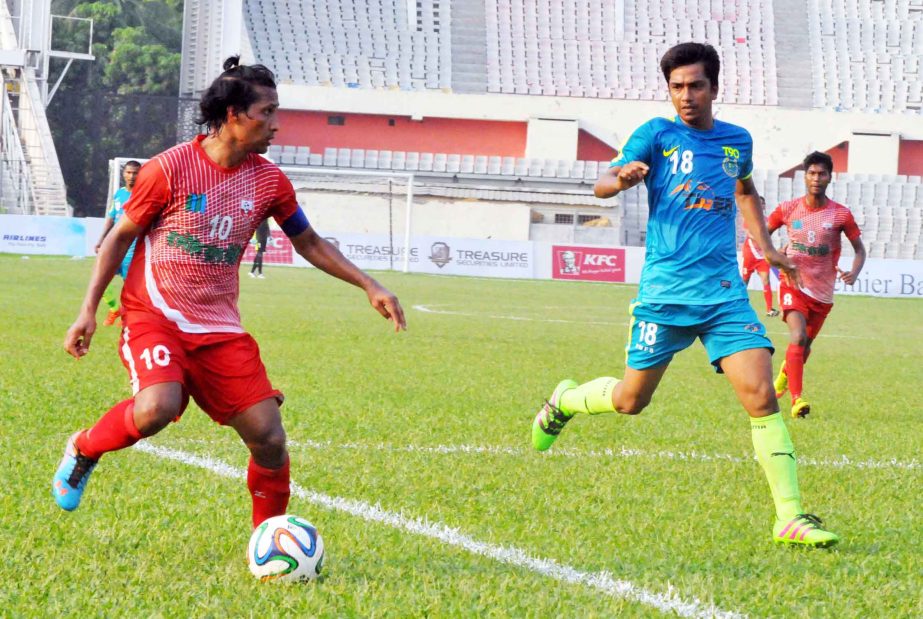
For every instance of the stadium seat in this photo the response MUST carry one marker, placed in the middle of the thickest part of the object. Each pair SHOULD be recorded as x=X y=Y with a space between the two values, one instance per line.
x=590 y=171
x=384 y=160
x=330 y=157
x=439 y=162
x=426 y=162
x=453 y=164
x=521 y=167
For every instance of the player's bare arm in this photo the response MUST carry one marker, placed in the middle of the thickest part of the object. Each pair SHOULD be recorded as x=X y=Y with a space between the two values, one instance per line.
x=111 y=253
x=108 y=223
x=326 y=257
x=748 y=201
x=849 y=278
x=615 y=180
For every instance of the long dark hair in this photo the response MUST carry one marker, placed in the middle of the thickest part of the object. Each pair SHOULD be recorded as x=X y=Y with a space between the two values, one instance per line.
x=236 y=89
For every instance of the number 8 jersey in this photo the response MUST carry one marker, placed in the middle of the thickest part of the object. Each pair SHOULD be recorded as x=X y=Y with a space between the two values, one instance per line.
x=198 y=218
x=814 y=242
x=691 y=238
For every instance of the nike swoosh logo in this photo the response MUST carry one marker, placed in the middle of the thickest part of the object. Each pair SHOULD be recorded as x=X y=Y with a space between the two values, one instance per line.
x=784 y=453
x=667 y=153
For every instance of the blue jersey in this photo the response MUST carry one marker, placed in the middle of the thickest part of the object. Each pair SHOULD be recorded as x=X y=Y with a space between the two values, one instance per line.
x=691 y=237
x=119 y=198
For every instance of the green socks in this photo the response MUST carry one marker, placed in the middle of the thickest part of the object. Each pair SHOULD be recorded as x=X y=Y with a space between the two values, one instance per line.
x=111 y=300
x=593 y=397
x=776 y=455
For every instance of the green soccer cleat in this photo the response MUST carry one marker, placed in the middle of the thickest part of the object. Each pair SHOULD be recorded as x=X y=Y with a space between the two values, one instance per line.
x=550 y=419
x=781 y=382
x=803 y=530
x=800 y=408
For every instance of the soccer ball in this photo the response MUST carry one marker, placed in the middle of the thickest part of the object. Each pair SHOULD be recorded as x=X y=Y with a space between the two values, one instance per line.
x=286 y=548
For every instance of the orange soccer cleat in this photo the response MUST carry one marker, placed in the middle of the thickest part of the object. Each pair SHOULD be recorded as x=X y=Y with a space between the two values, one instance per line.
x=111 y=317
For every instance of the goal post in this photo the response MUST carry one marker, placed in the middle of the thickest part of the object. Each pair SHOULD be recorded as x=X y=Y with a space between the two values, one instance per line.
x=322 y=192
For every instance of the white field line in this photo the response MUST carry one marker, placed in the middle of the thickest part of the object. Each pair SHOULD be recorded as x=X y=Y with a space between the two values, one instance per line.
x=842 y=461
x=669 y=602
x=428 y=309
x=431 y=309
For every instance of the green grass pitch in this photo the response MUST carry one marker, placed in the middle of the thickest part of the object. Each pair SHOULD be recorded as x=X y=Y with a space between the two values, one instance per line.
x=411 y=455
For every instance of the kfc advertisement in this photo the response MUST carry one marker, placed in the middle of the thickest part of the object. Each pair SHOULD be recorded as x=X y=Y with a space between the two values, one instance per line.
x=595 y=264
x=278 y=249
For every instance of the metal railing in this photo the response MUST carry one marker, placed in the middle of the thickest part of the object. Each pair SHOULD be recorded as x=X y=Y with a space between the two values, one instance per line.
x=16 y=195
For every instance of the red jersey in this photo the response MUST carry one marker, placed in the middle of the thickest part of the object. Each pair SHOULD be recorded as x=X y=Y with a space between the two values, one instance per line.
x=754 y=247
x=198 y=218
x=814 y=242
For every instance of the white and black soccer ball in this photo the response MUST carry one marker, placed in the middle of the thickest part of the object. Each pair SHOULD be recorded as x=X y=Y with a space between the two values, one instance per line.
x=285 y=548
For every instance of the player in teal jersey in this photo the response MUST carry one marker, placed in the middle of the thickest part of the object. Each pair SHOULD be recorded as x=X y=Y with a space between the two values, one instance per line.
x=113 y=214
x=698 y=172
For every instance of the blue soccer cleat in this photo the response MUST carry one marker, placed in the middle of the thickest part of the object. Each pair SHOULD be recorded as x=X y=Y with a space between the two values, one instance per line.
x=71 y=477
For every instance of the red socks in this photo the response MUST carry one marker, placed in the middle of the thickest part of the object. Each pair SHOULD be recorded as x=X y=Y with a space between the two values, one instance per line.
x=115 y=430
x=767 y=296
x=794 y=368
x=269 y=489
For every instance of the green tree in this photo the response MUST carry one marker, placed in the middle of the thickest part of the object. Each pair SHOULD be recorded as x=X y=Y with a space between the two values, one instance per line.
x=122 y=104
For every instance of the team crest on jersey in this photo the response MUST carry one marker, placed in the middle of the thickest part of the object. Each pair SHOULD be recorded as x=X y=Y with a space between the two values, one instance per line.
x=246 y=205
x=731 y=163
x=797 y=225
x=827 y=225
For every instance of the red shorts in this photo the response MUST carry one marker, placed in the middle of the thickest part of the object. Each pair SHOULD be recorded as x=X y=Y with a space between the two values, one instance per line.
x=222 y=372
x=752 y=263
x=814 y=312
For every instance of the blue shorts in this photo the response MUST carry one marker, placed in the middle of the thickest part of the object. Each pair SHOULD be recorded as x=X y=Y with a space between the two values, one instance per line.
x=126 y=261
x=658 y=331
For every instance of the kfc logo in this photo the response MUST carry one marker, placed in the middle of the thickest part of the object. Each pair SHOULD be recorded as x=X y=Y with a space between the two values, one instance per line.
x=569 y=263
x=279 y=249
x=597 y=264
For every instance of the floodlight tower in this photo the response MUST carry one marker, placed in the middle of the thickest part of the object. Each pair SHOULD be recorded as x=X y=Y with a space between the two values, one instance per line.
x=32 y=22
x=31 y=181
x=212 y=31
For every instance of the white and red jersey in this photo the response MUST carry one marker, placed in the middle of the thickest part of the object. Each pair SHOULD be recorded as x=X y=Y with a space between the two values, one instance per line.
x=754 y=247
x=814 y=242
x=198 y=218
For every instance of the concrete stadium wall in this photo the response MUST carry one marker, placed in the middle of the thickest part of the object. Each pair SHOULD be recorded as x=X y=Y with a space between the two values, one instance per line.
x=375 y=131
x=782 y=136
x=432 y=135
